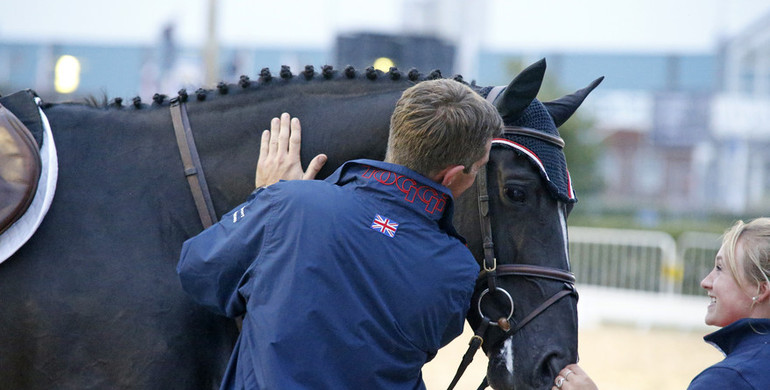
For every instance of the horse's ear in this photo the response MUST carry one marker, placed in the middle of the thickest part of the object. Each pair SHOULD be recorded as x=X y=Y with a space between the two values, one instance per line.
x=521 y=91
x=563 y=108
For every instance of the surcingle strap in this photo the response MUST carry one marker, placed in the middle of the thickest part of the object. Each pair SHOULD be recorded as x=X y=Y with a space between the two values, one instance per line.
x=192 y=163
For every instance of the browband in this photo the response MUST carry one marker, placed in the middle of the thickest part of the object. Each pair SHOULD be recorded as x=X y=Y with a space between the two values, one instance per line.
x=516 y=130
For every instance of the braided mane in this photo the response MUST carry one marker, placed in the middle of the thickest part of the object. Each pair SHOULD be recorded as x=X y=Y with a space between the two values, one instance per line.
x=266 y=77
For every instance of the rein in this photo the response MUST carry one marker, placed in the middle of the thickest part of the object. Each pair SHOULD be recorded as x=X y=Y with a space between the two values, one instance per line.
x=491 y=270
x=192 y=163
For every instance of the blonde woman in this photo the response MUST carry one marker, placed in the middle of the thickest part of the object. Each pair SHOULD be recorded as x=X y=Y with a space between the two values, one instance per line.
x=739 y=288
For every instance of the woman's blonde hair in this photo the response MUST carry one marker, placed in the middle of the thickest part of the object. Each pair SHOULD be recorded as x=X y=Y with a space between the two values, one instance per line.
x=438 y=123
x=755 y=237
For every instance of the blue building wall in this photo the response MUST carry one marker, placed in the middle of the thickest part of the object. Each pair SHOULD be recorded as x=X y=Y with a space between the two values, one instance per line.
x=117 y=70
x=646 y=72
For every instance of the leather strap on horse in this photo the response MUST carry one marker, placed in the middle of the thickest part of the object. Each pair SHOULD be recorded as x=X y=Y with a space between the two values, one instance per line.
x=540 y=272
x=517 y=130
x=473 y=346
x=536 y=271
x=490 y=262
x=192 y=163
x=545 y=305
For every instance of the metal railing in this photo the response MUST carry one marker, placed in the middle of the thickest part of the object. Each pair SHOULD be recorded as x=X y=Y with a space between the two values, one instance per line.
x=696 y=252
x=642 y=260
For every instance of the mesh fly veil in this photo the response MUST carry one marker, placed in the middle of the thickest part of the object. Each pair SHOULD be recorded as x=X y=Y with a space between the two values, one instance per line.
x=521 y=109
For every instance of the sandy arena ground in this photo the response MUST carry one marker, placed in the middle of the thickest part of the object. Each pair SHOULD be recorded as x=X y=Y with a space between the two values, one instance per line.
x=659 y=345
x=616 y=357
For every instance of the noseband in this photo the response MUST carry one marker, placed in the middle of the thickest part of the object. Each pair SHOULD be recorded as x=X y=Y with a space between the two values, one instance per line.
x=492 y=271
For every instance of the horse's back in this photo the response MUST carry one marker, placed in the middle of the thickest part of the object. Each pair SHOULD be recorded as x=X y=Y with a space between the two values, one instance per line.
x=91 y=301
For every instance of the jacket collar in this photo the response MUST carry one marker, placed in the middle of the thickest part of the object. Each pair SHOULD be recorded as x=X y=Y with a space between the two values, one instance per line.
x=413 y=190
x=744 y=332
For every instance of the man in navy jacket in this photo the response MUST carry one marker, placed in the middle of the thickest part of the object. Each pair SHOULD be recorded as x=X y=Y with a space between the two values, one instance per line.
x=356 y=281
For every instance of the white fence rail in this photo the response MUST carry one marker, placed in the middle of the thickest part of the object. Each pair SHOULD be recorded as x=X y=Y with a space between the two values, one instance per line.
x=642 y=260
x=696 y=252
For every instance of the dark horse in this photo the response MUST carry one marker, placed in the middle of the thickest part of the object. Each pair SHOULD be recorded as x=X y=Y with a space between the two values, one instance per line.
x=92 y=301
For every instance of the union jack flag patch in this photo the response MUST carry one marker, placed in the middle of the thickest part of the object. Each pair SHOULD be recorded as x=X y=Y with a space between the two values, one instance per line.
x=384 y=225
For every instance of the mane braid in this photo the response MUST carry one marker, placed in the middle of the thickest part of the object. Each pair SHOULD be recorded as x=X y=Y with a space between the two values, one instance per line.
x=309 y=72
x=394 y=73
x=350 y=72
x=265 y=77
x=371 y=73
x=414 y=74
x=327 y=71
x=286 y=72
x=244 y=81
x=158 y=98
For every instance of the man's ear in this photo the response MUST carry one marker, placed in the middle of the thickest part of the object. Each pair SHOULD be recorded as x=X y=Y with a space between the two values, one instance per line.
x=449 y=174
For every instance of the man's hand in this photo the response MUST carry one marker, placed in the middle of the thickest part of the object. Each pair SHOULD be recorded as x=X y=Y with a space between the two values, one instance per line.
x=279 y=154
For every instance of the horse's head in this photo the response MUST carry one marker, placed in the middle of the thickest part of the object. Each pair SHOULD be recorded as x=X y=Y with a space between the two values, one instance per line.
x=526 y=280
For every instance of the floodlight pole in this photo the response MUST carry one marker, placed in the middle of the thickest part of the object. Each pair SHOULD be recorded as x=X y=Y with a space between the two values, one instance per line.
x=211 y=49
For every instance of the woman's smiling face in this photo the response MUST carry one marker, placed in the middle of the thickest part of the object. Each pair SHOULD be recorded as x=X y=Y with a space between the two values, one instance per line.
x=729 y=301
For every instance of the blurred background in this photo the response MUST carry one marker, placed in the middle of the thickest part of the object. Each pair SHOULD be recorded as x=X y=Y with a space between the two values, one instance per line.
x=665 y=154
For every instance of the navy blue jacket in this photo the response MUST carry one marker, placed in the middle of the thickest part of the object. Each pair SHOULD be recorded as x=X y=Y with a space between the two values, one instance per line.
x=349 y=283
x=747 y=357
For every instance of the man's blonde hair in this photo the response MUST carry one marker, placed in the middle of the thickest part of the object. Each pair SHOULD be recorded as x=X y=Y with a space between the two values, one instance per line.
x=439 y=123
x=755 y=237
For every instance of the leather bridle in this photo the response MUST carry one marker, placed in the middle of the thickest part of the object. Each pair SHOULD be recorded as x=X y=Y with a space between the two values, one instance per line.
x=492 y=271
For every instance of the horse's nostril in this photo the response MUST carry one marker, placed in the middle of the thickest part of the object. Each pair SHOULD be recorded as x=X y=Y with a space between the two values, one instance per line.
x=548 y=366
x=500 y=380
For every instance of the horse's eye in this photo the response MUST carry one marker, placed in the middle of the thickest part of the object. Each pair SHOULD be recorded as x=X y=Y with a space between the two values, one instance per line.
x=515 y=194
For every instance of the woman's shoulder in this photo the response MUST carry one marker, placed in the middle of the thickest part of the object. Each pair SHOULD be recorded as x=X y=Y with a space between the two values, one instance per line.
x=743 y=368
x=721 y=376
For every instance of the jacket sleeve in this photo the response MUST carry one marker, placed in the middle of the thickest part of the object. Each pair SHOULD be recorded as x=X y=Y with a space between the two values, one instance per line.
x=213 y=264
x=457 y=321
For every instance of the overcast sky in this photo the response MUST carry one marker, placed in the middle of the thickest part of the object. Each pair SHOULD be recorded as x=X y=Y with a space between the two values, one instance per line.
x=580 y=25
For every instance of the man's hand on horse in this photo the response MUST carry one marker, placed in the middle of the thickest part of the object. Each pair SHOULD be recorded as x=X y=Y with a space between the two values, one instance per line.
x=279 y=154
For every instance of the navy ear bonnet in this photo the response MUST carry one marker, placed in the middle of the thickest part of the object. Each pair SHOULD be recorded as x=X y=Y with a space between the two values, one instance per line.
x=548 y=157
x=540 y=141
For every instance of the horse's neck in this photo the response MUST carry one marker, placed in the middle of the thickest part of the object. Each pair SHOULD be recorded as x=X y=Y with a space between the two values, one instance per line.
x=344 y=119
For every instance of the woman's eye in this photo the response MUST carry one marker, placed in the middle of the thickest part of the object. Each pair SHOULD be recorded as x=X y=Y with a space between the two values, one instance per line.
x=515 y=194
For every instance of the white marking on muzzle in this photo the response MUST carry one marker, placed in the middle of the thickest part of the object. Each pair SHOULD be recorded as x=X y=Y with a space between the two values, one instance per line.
x=507 y=353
